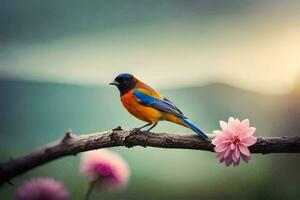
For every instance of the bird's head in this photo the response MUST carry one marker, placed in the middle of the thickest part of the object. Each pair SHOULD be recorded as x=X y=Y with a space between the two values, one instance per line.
x=124 y=82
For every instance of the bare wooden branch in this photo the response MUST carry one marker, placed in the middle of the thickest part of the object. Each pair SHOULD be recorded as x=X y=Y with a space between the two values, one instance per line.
x=72 y=144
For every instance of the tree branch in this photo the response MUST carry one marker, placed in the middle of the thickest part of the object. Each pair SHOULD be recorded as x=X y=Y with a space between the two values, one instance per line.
x=72 y=144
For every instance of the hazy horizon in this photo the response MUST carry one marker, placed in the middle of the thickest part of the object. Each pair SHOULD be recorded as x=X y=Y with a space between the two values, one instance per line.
x=252 y=45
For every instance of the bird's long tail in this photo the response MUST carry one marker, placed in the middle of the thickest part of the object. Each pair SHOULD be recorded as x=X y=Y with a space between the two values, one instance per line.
x=192 y=126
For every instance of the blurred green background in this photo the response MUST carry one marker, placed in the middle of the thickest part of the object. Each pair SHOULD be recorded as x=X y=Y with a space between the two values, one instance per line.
x=213 y=59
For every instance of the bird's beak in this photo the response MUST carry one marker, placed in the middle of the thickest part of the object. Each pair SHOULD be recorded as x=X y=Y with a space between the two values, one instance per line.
x=114 y=82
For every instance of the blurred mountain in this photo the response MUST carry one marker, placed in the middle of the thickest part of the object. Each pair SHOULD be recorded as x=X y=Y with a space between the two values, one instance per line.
x=34 y=113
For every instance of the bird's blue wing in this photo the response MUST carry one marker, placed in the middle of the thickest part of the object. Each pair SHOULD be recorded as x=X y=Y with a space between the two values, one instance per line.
x=172 y=104
x=163 y=105
x=167 y=106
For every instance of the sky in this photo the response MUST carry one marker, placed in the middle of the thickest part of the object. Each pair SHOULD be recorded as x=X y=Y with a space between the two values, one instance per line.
x=250 y=44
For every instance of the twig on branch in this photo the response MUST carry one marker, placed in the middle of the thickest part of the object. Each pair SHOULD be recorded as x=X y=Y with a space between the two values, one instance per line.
x=72 y=144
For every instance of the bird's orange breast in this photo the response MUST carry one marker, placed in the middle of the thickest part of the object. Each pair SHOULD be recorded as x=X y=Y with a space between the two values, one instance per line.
x=138 y=110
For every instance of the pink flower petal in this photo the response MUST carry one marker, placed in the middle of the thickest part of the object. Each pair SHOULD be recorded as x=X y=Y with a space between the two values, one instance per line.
x=223 y=125
x=221 y=147
x=231 y=121
x=243 y=131
x=227 y=153
x=245 y=158
x=232 y=146
x=234 y=157
x=247 y=131
x=237 y=128
x=248 y=141
x=220 y=157
x=251 y=130
x=228 y=161
x=228 y=142
x=246 y=123
x=228 y=134
x=218 y=140
x=244 y=150
x=237 y=153
x=237 y=162
x=217 y=132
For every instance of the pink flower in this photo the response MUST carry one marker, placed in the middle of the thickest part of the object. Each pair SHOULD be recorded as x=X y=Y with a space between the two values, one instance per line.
x=107 y=167
x=233 y=140
x=42 y=189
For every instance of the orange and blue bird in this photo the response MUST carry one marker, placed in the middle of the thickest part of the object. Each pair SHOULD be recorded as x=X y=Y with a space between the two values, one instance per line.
x=146 y=104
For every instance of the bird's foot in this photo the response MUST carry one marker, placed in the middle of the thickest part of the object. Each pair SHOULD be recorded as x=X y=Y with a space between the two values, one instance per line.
x=135 y=131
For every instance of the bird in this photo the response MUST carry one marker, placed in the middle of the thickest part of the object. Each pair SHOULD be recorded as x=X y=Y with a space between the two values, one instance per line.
x=143 y=102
